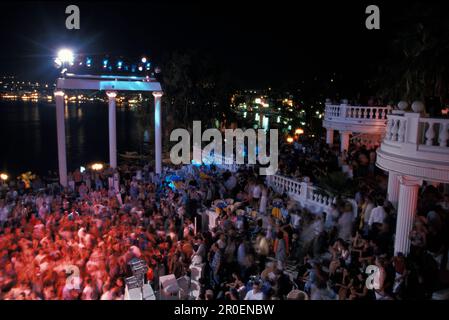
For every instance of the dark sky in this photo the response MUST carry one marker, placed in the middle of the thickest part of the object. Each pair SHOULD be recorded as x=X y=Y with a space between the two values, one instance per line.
x=259 y=43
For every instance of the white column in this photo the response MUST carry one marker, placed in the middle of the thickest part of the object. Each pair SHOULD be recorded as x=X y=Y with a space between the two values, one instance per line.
x=112 y=129
x=393 y=188
x=344 y=140
x=157 y=131
x=60 y=127
x=329 y=136
x=408 y=201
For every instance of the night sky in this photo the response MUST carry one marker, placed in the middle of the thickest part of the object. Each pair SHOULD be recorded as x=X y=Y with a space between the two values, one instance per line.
x=260 y=43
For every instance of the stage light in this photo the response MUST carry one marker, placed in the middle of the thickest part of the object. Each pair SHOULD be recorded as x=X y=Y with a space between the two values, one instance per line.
x=147 y=66
x=97 y=166
x=4 y=176
x=105 y=63
x=65 y=56
x=144 y=60
x=140 y=68
x=89 y=62
x=119 y=64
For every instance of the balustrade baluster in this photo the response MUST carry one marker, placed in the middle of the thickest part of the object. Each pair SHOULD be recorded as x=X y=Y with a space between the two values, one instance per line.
x=443 y=136
x=394 y=130
x=401 y=132
x=430 y=134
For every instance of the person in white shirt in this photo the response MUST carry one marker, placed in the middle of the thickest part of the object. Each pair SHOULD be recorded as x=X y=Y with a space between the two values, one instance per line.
x=255 y=293
x=378 y=214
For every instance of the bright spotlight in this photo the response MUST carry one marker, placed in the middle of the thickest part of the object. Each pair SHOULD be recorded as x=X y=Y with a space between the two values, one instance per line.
x=65 y=56
x=97 y=166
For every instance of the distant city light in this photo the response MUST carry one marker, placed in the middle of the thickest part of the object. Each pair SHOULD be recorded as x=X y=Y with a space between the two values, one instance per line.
x=299 y=131
x=258 y=100
x=290 y=139
x=144 y=59
x=140 y=68
x=4 y=176
x=119 y=64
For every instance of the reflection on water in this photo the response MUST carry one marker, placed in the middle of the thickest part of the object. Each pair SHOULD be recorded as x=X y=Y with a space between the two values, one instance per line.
x=28 y=135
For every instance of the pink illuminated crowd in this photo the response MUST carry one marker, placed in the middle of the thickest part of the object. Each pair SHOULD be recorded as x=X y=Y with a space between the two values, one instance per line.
x=77 y=242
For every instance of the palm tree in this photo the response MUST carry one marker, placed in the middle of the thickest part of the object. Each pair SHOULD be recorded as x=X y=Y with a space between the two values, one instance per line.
x=417 y=67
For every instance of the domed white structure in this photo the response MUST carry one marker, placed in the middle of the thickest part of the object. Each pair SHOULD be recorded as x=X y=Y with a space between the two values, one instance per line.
x=414 y=149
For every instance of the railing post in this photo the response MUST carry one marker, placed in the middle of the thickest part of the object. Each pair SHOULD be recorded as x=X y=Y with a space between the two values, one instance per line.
x=412 y=131
x=343 y=110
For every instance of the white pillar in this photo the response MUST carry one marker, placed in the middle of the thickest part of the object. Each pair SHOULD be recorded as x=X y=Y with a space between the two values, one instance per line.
x=344 y=140
x=408 y=201
x=393 y=188
x=329 y=136
x=60 y=127
x=157 y=131
x=112 y=129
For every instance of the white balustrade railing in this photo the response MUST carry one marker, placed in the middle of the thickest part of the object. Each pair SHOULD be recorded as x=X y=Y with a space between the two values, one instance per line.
x=344 y=112
x=418 y=132
x=304 y=192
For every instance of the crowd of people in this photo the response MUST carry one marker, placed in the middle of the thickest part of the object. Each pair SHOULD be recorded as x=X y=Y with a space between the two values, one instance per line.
x=77 y=242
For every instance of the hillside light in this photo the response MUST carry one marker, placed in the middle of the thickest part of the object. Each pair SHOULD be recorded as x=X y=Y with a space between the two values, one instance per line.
x=299 y=131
